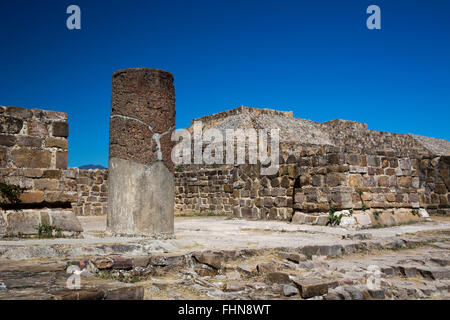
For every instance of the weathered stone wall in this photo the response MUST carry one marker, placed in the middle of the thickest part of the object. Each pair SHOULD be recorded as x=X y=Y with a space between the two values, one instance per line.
x=384 y=179
x=204 y=189
x=326 y=164
x=43 y=187
x=315 y=180
x=391 y=171
x=92 y=192
x=33 y=155
x=33 y=138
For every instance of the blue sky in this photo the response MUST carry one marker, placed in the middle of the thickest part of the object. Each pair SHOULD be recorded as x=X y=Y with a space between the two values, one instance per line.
x=316 y=58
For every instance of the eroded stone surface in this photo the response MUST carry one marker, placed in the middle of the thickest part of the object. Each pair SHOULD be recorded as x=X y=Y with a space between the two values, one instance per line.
x=141 y=182
x=141 y=198
x=142 y=112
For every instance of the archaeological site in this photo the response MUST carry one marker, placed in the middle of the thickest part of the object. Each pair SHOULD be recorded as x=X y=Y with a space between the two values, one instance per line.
x=350 y=213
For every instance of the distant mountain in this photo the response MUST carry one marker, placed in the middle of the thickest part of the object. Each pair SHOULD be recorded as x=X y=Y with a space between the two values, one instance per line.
x=92 y=166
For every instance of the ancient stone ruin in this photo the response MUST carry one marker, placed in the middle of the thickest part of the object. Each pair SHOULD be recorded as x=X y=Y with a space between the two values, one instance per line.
x=333 y=171
x=338 y=165
x=33 y=156
x=141 y=182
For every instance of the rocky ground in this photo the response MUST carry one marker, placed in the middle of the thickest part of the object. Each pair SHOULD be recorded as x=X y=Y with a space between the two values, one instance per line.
x=239 y=260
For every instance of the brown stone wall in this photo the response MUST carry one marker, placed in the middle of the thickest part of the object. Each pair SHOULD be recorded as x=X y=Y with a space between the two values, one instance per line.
x=92 y=191
x=317 y=178
x=33 y=156
x=435 y=184
x=43 y=187
x=204 y=190
x=378 y=180
x=33 y=138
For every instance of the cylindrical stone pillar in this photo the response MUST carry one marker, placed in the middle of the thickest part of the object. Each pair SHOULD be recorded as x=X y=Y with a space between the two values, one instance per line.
x=141 y=180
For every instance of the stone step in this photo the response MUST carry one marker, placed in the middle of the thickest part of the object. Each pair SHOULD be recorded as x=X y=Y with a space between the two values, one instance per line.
x=38 y=280
x=427 y=272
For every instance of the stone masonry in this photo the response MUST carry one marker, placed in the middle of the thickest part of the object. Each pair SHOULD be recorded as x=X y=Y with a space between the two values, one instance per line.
x=33 y=156
x=337 y=164
x=92 y=189
x=390 y=170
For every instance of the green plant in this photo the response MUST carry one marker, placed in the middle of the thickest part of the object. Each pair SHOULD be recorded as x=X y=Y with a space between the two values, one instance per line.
x=45 y=231
x=415 y=212
x=10 y=194
x=332 y=210
x=213 y=214
x=376 y=214
x=363 y=207
x=308 y=256
x=178 y=169
x=351 y=211
x=332 y=218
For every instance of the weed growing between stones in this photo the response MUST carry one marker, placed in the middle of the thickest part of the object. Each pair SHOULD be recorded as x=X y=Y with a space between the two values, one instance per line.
x=363 y=207
x=123 y=276
x=333 y=219
x=46 y=231
x=376 y=214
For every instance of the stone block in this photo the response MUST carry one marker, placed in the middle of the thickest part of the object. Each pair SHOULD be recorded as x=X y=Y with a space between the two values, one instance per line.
x=20 y=113
x=278 y=277
x=373 y=161
x=7 y=140
x=62 y=159
x=31 y=158
x=404 y=181
x=37 y=129
x=355 y=180
x=22 y=222
x=60 y=197
x=122 y=263
x=60 y=129
x=383 y=181
x=440 y=188
x=363 y=219
x=46 y=184
x=32 y=197
x=335 y=179
x=52 y=142
x=353 y=159
x=266 y=267
x=54 y=115
x=65 y=220
x=312 y=287
x=10 y=125
x=28 y=141
x=209 y=258
x=52 y=174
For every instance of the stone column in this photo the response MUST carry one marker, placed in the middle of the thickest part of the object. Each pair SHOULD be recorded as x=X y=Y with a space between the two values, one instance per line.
x=141 y=179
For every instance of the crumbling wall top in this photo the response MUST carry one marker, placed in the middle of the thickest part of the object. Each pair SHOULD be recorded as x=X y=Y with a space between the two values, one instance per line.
x=244 y=110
